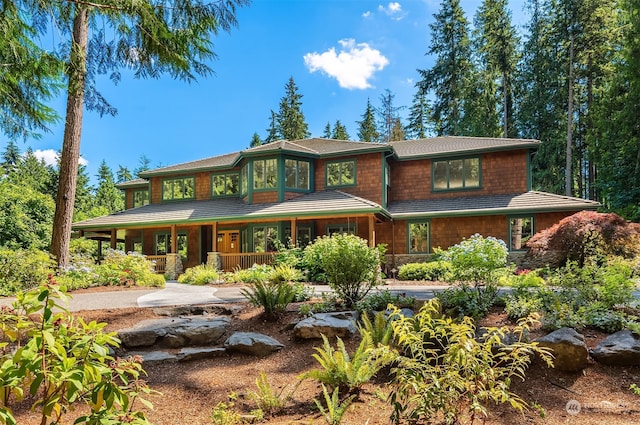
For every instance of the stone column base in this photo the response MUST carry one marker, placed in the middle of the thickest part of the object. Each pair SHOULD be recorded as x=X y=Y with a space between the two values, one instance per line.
x=214 y=260
x=173 y=269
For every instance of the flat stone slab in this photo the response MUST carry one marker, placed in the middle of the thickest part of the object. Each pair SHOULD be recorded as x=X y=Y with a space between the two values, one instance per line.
x=175 y=332
x=198 y=353
x=198 y=310
x=150 y=357
x=331 y=325
x=255 y=344
x=619 y=349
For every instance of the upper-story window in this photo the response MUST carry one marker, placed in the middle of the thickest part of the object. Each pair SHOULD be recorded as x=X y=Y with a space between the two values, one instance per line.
x=244 y=180
x=225 y=184
x=296 y=174
x=265 y=174
x=341 y=173
x=178 y=188
x=456 y=174
x=140 y=198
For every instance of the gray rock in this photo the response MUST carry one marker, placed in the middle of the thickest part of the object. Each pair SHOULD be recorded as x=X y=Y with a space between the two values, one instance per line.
x=618 y=349
x=569 y=350
x=156 y=357
x=175 y=332
x=198 y=353
x=252 y=343
x=342 y=324
x=198 y=310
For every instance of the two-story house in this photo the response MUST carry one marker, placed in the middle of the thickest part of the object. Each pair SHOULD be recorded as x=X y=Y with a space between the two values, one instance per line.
x=411 y=195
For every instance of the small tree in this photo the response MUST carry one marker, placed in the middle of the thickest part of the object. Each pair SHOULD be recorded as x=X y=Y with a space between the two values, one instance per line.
x=350 y=265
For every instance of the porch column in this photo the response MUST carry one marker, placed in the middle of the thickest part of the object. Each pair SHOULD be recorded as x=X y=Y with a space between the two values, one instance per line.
x=213 y=259
x=294 y=232
x=99 y=249
x=114 y=238
x=372 y=232
x=174 y=239
x=214 y=237
x=81 y=233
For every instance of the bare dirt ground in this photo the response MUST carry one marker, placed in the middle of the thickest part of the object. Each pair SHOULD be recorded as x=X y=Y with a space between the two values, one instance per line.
x=191 y=390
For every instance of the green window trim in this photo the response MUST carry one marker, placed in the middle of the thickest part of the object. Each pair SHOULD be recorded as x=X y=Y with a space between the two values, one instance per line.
x=340 y=173
x=419 y=237
x=265 y=174
x=244 y=180
x=341 y=228
x=297 y=174
x=162 y=244
x=225 y=184
x=520 y=229
x=177 y=189
x=140 y=198
x=263 y=237
x=456 y=174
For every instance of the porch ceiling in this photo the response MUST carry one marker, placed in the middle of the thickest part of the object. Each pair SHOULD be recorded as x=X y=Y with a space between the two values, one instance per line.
x=519 y=203
x=317 y=204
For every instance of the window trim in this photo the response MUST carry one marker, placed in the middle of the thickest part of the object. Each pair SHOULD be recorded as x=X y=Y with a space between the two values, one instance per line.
x=263 y=226
x=326 y=173
x=168 y=236
x=133 y=197
x=516 y=216
x=309 y=173
x=456 y=189
x=277 y=174
x=418 y=221
x=226 y=195
x=192 y=178
x=348 y=225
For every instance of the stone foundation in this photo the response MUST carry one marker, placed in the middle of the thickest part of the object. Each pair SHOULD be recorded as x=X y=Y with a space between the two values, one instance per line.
x=173 y=269
x=214 y=260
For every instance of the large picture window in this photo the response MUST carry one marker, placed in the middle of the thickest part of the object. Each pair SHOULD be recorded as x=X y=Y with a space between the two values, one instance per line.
x=140 y=198
x=456 y=174
x=264 y=238
x=341 y=173
x=265 y=174
x=244 y=180
x=296 y=174
x=225 y=184
x=520 y=231
x=419 y=238
x=163 y=244
x=180 y=188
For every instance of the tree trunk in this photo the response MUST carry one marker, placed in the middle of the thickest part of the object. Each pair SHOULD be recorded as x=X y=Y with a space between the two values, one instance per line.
x=568 y=169
x=71 y=142
x=505 y=106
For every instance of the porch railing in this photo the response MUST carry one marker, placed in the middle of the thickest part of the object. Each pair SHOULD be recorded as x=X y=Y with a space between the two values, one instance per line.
x=244 y=260
x=161 y=262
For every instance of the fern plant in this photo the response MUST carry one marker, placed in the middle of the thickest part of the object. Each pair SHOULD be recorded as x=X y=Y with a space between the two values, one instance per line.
x=379 y=330
x=272 y=297
x=339 y=369
x=268 y=400
x=335 y=408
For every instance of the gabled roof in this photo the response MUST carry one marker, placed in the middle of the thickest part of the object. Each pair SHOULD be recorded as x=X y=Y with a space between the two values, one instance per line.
x=520 y=203
x=133 y=183
x=318 y=147
x=221 y=161
x=325 y=203
x=450 y=145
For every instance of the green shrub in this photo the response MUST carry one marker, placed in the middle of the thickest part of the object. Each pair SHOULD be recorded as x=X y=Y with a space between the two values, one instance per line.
x=350 y=265
x=120 y=268
x=522 y=279
x=302 y=292
x=256 y=273
x=445 y=370
x=23 y=269
x=272 y=297
x=285 y=273
x=286 y=255
x=377 y=301
x=523 y=304
x=268 y=400
x=431 y=271
x=335 y=408
x=200 y=275
x=475 y=259
x=467 y=301
x=379 y=330
x=61 y=360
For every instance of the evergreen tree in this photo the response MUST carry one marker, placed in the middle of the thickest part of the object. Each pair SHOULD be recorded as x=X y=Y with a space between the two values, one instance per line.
x=10 y=157
x=340 y=131
x=290 y=119
x=449 y=77
x=367 y=131
x=255 y=141
x=327 y=131
x=397 y=131
x=144 y=164
x=107 y=195
x=497 y=41
x=123 y=174
x=84 y=206
x=419 y=113
x=273 y=132
x=388 y=115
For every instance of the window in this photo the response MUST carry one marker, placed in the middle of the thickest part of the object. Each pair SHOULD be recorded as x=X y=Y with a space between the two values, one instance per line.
x=140 y=198
x=264 y=238
x=180 y=188
x=520 y=231
x=419 y=238
x=341 y=173
x=349 y=228
x=304 y=235
x=265 y=174
x=296 y=174
x=456 y=174
x=244 y=180
x=225 y=184
x=163 y=244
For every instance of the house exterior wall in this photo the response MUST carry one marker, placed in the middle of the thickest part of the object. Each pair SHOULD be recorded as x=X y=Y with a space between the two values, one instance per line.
x=128 y=198
x=368 y=176
x=265 y=197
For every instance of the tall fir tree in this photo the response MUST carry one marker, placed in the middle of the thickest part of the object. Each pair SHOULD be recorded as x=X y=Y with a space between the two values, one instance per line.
x=418 y=126
x=340 y=131
x=397 y=131
x=367 y=130
x=10 y=157
x=144 y=164
x=123 y=174
x=327 y=131
x=450 y=76
x=290 y=119
x=273 y=132
x=107 y=195
x=255 y=141
x=388 y=115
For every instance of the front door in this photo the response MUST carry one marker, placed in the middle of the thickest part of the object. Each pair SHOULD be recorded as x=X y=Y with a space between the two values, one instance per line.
x=229 y=241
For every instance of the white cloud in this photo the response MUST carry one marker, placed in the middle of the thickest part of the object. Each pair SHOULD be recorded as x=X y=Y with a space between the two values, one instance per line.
x=393 y=10
x=366 y=14
x=353 y=66
x=50 y=157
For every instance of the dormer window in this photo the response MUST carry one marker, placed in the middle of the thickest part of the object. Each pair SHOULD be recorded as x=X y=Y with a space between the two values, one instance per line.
x=296 y=174
x=178 y=188
x=265 y=174
x=140 y=198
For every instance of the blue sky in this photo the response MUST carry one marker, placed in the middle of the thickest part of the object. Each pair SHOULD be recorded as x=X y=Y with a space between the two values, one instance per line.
x=340 y=53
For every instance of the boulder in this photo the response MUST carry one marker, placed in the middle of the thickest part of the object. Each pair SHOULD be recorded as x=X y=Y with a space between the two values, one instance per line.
x=255 y=344
x=618 y=349
x=569 y=350
x=175 y=332
x=198 y=353
x=156 y=357
x=331 y=325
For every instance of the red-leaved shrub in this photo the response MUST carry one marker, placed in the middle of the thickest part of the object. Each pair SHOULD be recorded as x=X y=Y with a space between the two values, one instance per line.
x=584 y=234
